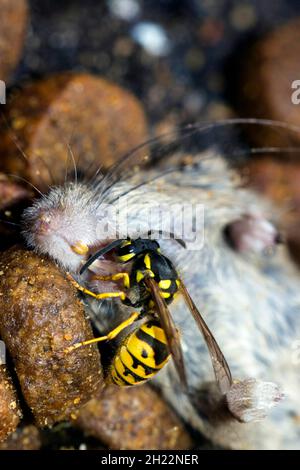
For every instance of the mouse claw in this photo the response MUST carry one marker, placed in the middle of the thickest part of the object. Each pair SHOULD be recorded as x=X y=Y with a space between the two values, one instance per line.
x=250 y=400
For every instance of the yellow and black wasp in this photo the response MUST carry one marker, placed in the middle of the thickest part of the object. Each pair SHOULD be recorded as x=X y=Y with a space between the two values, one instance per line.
x=149 y=345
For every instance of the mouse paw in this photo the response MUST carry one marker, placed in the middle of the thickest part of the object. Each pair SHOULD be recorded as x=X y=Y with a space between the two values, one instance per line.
x=250 y=400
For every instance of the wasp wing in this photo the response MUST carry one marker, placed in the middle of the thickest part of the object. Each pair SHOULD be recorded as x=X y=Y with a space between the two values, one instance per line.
x=169 y=328
x=221 y=368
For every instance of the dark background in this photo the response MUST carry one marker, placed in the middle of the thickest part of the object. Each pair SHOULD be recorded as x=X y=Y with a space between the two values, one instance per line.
x=191 y=81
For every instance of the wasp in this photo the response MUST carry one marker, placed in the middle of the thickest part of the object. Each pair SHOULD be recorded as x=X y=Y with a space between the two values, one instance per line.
x=154 y=338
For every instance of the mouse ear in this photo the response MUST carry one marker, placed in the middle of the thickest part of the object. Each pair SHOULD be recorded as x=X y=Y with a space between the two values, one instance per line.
x=252 y=233
x=250 y=400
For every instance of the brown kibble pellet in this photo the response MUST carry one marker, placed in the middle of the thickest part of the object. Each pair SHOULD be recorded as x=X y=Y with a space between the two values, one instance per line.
x=24 y=438
x=99 y=120
x=35 y=313
x=265 y=86
x=10 y=412
x=132 y=419
x=13 y=23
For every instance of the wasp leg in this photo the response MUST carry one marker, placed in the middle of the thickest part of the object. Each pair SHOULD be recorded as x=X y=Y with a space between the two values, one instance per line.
x=103 y=295
x=114 y=277
x=111 y=335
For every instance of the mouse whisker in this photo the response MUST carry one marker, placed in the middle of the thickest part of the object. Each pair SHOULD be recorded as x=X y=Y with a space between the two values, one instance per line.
x=27 y=182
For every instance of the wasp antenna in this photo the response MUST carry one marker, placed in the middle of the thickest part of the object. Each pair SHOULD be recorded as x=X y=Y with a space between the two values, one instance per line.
x=170 y=234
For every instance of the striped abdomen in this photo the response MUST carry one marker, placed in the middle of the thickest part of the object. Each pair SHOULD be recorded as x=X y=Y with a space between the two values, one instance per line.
x=140 y=356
